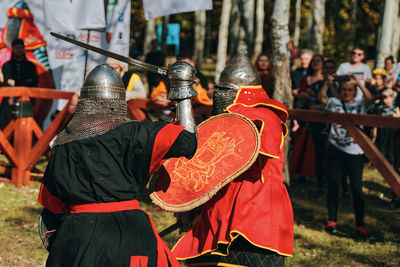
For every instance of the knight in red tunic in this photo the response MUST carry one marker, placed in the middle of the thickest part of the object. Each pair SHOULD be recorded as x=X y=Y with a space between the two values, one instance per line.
x=250 y=221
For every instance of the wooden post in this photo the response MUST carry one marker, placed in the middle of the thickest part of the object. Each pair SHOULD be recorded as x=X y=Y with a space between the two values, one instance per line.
x=21 y=154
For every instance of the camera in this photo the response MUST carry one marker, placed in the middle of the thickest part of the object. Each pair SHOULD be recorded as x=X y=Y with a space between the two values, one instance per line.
x=342 y=78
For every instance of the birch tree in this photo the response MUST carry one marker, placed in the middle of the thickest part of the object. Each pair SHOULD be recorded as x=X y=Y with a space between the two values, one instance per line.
x=199 y=35
x=296 y=34
x=281 y=63
x=247 y=22
x=234 y=29
x=390 y=18
x=259 y=33
x=396 y=38
x=223 y=37
x=318 y=25
x=150 y=35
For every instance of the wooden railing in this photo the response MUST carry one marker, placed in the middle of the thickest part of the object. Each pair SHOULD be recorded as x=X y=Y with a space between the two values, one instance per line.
x=350 y=122
x=22 y=155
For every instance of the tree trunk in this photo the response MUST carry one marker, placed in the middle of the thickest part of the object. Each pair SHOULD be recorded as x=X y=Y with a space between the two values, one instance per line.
x=318 y=25
x=281 y=64
x=396 y=39
x=296 y=35
x=207 y=51
x=388 y=30
x=234 y=29
x=354 y=22
x=259 y=34
x=150 y=35
x=223 y=37
x=247 y=22
x=307 y=36
x=164 y=34
x=337 y=18
x=199 y=36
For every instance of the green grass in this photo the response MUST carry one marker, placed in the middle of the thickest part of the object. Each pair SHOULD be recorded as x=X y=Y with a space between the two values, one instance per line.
x=21 y=245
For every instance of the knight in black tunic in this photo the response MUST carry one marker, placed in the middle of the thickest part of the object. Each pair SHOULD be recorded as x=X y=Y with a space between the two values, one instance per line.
x=99 y=166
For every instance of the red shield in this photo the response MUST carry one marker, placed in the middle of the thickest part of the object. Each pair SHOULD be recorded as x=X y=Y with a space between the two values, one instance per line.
x=228 y=144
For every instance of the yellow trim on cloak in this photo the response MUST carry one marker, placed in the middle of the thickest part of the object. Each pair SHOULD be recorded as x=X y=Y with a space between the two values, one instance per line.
x=223 y=264
x=233 y=237
x=262 y=122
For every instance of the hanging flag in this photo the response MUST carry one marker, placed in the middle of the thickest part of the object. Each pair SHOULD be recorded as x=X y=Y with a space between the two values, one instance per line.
x=158 y=8
x=71 y=15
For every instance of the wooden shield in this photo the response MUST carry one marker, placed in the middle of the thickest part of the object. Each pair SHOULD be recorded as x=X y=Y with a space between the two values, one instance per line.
x=228 y=144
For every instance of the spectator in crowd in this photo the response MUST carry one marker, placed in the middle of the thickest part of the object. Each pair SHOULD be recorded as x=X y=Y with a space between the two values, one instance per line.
x=293 y=52
x=300 y=72
x=385 y=136
x=319 y=75
x=157 y=58
x=344 y=156
x=132 y=81
x=356 y=67
x=296 y=76
x=377 y=84
x=391 y=72
x=210 y=89
x=18 y=71
x=264 y=68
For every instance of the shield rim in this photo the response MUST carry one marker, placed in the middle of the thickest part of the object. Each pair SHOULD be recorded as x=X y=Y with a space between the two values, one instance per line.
x=207 y=196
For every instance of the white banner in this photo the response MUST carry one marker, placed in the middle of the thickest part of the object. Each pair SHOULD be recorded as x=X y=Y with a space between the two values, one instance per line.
x=71 y=15
x=118 y=26
x=158 y=8
x=71 y=58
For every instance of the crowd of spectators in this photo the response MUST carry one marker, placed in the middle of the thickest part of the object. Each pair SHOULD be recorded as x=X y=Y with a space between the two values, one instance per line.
x=337 y=160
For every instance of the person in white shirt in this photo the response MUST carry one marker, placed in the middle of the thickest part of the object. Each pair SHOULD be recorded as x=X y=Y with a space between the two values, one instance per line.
x=344 y=156
x=356 y=67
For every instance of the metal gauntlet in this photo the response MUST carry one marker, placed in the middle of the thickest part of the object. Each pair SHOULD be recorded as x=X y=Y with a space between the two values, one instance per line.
x=181 y=76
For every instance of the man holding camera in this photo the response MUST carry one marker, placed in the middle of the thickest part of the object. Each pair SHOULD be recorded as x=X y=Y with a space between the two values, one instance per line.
x=356 y=67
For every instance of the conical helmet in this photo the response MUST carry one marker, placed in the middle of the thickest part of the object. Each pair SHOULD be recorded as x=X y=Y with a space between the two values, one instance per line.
x=239 y=72
x=101 y=106
x=103 y=82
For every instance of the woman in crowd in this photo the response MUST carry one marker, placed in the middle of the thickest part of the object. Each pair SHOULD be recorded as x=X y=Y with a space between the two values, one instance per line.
x=391 y=72
x=310 y=86
x=264 y=68
x=344 y=156
x=378 y=84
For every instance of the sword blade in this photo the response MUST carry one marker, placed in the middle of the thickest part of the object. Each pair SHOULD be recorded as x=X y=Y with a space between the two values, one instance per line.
x=130 y=61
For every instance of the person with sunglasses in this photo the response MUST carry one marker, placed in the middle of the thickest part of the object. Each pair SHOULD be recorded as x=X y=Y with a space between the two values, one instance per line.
x=344 y=155
x=356 y=67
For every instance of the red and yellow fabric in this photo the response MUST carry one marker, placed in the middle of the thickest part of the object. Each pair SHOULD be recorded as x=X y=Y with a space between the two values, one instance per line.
x=33 y=40
x=201 y=97
x=28 y=32
x=256 y=205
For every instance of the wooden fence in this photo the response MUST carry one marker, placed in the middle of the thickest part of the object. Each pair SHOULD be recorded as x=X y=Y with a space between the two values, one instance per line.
x=22 y=130
x=350 y=122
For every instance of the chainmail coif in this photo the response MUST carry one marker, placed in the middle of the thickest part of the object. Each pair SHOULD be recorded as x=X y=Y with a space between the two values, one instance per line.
x=93 y=117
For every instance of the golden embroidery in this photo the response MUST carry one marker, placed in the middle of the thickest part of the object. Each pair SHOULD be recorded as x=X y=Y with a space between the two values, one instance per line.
x=194 y=174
